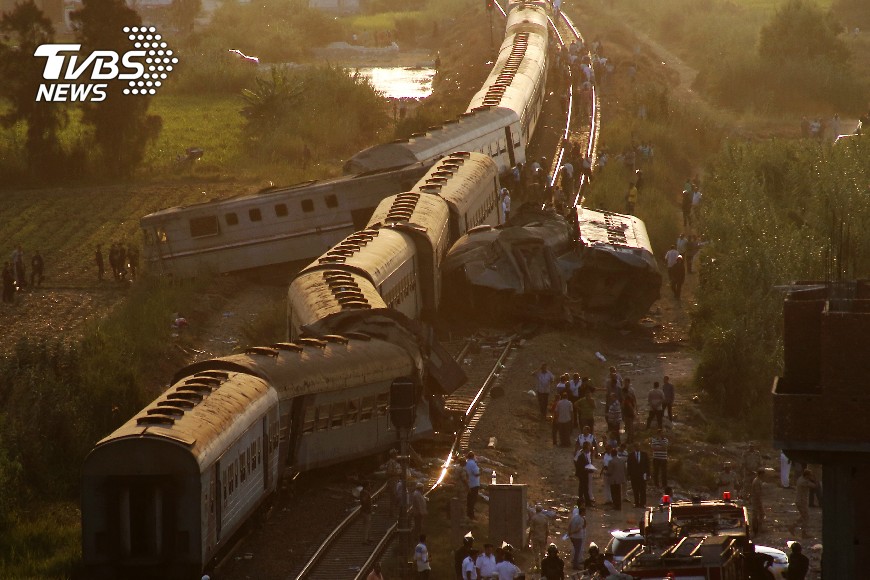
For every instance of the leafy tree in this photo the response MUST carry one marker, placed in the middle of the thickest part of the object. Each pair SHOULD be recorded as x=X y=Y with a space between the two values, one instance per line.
x=184 y=12
x=21 y=31
x=802 y=32
x=122 y=125
x=268 y=104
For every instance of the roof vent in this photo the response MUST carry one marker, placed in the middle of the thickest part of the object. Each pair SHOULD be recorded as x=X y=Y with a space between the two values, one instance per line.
x=288 y=346
x=155 y=420
x=312 y=342
x=336 y=338
x=262 y=350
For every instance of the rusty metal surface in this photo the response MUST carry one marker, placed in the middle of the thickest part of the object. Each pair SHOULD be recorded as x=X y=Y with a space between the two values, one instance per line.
x=207 y=425
x=321 y=293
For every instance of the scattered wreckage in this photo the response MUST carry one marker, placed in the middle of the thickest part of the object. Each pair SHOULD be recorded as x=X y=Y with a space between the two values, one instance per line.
x=593 y=265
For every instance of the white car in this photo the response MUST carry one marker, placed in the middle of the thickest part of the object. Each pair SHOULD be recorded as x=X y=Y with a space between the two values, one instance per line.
x=778 y=560
x=621 y=543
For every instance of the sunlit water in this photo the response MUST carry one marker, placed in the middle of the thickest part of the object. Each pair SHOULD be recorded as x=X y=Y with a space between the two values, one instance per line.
x=400 y=82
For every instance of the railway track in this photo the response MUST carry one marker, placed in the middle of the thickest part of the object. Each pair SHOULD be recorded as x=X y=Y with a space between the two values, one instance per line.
x=344 y=554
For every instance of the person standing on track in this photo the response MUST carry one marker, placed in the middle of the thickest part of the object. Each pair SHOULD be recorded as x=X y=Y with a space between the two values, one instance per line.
x=419 y=508
x=394 y=472
x=473 y=471
x=365 y=510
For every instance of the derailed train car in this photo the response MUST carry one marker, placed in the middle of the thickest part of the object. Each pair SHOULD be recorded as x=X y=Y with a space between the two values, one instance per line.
x=542 y=266
x=163 y=494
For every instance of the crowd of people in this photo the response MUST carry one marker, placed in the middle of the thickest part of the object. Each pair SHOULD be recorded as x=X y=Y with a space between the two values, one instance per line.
x=123 y=260
x=15 y=277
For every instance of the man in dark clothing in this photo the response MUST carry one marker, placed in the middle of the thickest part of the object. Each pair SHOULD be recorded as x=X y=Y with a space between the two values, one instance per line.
x=552 y=566
x=583 y=459
x=686 y=204
x=677 y=275
x=8 y=284
x=36 y=265
x=798 y=564
x=98 y=258
x=462 y=553
x=133 y=258
x=638 y=472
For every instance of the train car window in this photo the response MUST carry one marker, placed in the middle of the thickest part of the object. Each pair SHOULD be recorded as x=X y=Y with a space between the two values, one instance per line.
x=259 y=451
x=161 y=235
x=231 y=218
x=237 y=472
x=243 y=465
x=231 y=478
x=383 y=401
x=352 y=412
x=307 y=205
x=323 y=417
x=309 y=422
x=367 y=407
x=331 y=201
x=201 y=227
x=255 y=214
x=337 y=414
x=281 y=210
x=224 y=478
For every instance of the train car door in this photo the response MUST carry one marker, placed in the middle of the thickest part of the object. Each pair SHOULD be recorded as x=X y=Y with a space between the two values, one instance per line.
x=219 y=502
x=510 y=145
x=264 y=449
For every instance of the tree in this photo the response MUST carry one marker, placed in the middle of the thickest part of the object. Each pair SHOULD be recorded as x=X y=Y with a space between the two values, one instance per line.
x=801 y=32
x=184 y=13
x=21 y=31
x=269 y=103
x=122 y=125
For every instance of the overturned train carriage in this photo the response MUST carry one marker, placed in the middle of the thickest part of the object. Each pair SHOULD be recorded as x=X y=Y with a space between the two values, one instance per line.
x=275 y=226
x=163 y=494
x=544 y=266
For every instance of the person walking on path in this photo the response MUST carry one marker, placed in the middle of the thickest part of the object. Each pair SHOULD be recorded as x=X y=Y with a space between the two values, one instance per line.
x=543 y=383
x=656 y=401
x=638 y=473
x=798 y=564
x=98 y=259
x=485 y=563
x=394 y=472
x=668 y=392
x=539 y=533
x=784 y=470
x=677 y=276
x=577 y=535
x=614 y=416
x=365 y=510
x=585 y=407
x=418 y=508
x=751 y=462
x=616 y=477
x=36 y=266
x=803 y=485
x=660 y=446
x=727 y=480
x=756 y=502
x=421 y=558
x=469 y=568
x=564 y=418
x=583 y=470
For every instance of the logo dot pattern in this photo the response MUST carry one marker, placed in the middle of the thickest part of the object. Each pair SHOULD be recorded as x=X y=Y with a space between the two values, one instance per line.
x=159 y=60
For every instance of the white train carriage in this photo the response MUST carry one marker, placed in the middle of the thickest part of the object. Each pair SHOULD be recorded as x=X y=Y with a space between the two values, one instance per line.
x=469 y=183
x=163 y=493
x=316 y=295
x=387 y=258
x=424 y=219
x=518 y=79
x=271 y=227
x=492 y=131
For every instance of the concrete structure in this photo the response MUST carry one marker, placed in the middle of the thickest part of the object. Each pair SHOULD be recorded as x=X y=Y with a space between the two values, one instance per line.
x=820 y=410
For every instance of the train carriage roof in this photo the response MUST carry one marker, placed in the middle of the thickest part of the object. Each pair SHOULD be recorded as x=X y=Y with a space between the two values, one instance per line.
x=315 y=295
x=199 y=412
x=623 y=236
x=455 y=177
x=429 y=146
x=527 y=18
x=377 y=254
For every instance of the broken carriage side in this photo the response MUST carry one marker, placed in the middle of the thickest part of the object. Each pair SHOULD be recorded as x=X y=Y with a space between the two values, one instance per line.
x=544 y=266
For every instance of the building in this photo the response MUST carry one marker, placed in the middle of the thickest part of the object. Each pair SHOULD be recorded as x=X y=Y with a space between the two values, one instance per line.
x=820 y=406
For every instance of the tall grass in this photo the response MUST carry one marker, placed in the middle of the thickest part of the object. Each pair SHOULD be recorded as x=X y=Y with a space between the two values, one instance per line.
x=773 y=210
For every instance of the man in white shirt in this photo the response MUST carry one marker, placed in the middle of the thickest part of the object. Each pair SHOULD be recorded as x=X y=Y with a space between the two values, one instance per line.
x=564 y=420
x=421 y=558
x=506 y=569
x=486 y=563
x=577 y=534
x=505 y=204
x=543 y=381
x=671 y=256
x=469 y=570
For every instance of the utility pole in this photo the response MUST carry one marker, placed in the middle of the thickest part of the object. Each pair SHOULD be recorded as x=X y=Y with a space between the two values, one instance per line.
x=403 y=416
